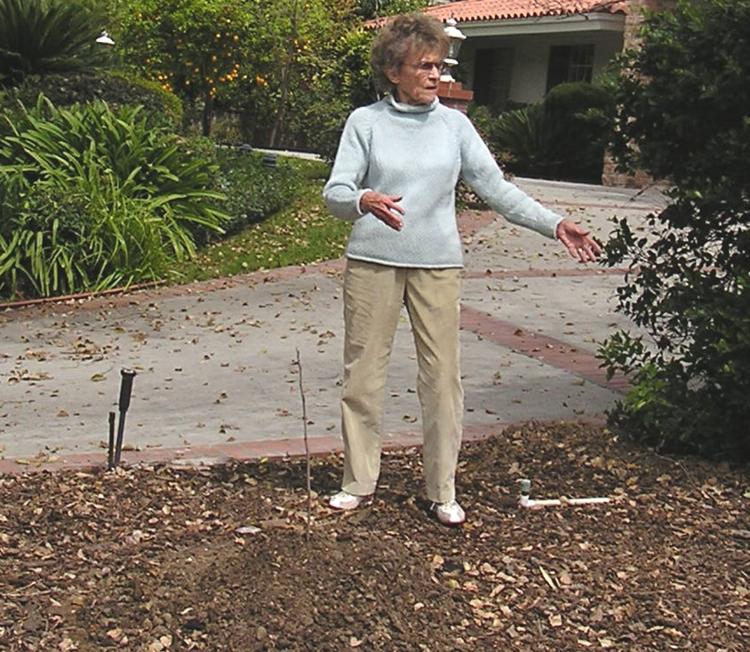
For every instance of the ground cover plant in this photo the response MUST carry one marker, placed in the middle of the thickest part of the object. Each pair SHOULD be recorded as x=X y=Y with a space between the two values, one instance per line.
x=682 y=116
x=154 y=558
x=286 y=221
x=257 y=185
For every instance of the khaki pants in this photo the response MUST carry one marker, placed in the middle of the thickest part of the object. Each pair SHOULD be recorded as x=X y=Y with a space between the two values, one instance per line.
x=373 y=296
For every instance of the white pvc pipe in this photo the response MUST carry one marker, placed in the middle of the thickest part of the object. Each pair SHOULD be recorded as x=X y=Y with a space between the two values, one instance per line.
x=530 y=503
x=586 y=501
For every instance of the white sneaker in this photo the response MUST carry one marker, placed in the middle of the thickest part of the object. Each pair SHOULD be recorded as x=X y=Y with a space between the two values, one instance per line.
x=449 y=513
x=346 y=501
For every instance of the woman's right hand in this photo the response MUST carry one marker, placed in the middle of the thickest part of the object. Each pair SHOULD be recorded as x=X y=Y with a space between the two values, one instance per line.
x=385 y=207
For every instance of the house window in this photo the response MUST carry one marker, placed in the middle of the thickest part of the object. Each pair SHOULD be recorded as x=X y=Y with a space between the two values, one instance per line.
x=570 y=63
x=492 y=76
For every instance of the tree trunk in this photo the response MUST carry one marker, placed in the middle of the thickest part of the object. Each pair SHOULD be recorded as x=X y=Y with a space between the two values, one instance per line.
x=208 y=114
x=277 y=132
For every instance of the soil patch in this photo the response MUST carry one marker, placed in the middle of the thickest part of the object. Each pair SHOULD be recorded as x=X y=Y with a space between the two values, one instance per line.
x=151 y=558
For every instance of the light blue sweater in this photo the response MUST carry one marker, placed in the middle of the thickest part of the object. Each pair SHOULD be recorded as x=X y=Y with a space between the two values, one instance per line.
x=419 y=152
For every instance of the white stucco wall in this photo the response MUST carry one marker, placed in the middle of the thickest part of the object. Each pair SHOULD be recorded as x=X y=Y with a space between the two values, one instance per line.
x=531 y=56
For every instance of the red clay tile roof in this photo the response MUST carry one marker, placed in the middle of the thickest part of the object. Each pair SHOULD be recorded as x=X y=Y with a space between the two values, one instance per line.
x=476 y=10
x=479 y=10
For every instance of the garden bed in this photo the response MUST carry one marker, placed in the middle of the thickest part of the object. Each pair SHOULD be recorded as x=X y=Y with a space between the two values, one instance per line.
x=151 y=558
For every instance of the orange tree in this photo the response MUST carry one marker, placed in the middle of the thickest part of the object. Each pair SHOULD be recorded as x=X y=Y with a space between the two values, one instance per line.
x=306 y=49
x=199 y=49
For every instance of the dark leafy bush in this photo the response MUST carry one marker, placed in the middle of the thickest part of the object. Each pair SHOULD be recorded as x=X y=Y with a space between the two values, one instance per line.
x=91 y=198
x=576 y=124
x=519 y=137
x=562 y=137
x=254 y=189
x=116 y=88
x=683 y=99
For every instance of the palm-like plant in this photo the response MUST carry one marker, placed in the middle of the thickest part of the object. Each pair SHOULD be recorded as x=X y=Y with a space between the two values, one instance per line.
x=43 y=36
x=520 y=136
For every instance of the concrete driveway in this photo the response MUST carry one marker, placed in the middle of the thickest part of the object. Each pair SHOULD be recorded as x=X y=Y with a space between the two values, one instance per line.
x=216 y=362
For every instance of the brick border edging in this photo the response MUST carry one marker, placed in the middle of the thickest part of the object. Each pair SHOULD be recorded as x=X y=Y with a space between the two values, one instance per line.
x=470 y=221
x=546 y=349
x=272 y=449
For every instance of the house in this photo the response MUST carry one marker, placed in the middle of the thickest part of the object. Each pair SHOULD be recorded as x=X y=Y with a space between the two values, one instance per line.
x=516 y=50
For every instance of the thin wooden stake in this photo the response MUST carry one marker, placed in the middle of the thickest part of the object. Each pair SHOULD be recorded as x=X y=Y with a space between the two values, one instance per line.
x=307 y=448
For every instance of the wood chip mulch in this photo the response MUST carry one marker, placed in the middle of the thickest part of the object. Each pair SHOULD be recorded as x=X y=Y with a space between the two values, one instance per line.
x=222 y=558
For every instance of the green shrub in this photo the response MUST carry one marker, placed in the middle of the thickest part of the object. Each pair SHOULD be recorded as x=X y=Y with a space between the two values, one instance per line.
x=91 y=198
x=562 y=137
x=43 y=36
x=482 y=118
x=682 y=114
x=683 y=99
x=116 y=88
x=577 y=119
x=519 y=139
x=324 y=89
x=254 y=190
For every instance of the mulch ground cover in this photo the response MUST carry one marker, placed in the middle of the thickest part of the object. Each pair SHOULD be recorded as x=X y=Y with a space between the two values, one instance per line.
x=222 y=558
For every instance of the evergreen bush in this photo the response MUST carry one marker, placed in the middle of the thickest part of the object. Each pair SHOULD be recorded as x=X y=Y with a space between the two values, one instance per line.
x=116 y=88
x=254 y=190
x=576 y=128
x=562 y=137
x=683 y=101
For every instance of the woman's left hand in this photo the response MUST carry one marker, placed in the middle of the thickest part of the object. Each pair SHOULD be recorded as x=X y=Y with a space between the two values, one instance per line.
x=578 y=242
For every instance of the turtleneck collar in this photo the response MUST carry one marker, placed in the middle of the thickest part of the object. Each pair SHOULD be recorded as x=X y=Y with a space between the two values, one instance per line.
x=411 y=108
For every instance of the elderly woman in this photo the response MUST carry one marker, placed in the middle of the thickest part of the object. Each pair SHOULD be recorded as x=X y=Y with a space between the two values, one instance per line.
x=394 y=176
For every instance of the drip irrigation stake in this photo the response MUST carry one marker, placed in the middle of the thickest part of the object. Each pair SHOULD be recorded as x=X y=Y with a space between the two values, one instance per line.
x=126 y=389
x=111 y=449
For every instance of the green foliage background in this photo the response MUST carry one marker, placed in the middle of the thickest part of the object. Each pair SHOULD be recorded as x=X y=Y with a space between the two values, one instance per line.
x=41 y=36
x=683 y=116
x=562 y=137
x=91 y=198
x=117 y=88
x=288 y=72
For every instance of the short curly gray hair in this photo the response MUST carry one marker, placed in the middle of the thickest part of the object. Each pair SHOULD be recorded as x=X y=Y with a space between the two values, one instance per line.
x=405 y=34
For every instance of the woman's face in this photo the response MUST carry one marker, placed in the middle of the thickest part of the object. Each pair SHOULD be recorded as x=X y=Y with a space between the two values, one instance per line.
x=416 y=80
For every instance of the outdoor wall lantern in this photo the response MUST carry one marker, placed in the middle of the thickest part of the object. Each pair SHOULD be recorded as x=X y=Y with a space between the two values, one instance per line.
x=105 y=39
x=456 y=38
